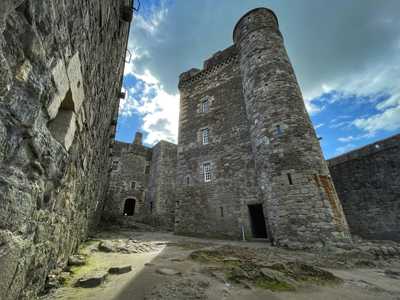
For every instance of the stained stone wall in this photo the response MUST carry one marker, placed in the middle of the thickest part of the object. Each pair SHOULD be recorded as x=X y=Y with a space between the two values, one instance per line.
x=148 y=176
x=217 y=208
x=61 y=64
x=129 y=180
x=367 y=181
x=262 y=149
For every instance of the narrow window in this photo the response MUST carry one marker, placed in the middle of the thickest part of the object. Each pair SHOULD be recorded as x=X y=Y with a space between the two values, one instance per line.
x=147 y=169
x=151 y=207
x=205 y=134
x=289 y=176
x=207 y=172
x=133 y=185
x=204 y=106
x=187 y=180
x=279 y=130
x=221 y=209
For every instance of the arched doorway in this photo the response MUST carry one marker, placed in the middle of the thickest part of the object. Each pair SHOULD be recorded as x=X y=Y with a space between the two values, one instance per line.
x=129 y=207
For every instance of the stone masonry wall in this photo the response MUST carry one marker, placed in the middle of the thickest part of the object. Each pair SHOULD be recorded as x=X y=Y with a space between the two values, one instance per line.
x=367 y=181
x=217 y=208
x=161 y=196
x=128 y=180
x=61 y=64
x=301 y=205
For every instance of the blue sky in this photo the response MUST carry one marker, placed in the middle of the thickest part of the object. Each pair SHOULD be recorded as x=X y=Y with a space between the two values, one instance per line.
x=346 y=55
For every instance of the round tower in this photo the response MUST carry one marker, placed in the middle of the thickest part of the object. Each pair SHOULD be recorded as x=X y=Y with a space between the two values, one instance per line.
x=300 y=201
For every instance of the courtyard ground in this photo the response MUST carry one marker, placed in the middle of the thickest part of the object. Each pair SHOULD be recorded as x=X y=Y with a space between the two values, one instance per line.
x=166 y=266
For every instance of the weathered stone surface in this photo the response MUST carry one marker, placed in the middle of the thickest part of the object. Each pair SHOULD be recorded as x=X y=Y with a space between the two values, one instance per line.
x=120 y=270
x=146 y=177
x=367 y=181
x=91 y=281
x=52 y=186
x=76 y=260
x=261 y=147
x=106 y=246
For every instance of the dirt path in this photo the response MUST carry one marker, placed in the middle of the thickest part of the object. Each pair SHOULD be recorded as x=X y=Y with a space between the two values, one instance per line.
x=171 y=267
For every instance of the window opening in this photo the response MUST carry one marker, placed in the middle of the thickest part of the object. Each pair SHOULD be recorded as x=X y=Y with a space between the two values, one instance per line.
x=207 y=172
x=221 y=211
x=205 y=136
x=115 y=165
x=289 y=176
x=133 y=185
x=279 y=130
x=129 y=207
x=187 y=180
x=204 y=106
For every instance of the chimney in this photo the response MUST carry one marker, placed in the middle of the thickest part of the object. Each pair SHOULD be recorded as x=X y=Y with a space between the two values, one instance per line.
x=138 y=138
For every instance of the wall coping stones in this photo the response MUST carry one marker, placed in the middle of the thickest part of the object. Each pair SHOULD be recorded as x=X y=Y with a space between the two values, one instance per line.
x=370 y=149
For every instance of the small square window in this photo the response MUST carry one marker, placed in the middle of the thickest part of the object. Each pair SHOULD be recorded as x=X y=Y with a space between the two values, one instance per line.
x=207 y=172
x=204 y=106
x=279 y=130
x=205 y=135
x=115 y=165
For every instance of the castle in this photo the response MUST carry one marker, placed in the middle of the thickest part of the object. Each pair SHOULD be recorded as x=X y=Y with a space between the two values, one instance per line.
x=247 y=165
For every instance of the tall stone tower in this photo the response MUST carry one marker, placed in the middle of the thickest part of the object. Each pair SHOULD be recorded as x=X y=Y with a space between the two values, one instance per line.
x=300 y=201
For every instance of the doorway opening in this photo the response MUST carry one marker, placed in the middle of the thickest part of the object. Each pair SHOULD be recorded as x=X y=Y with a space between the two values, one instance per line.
x=257 y=221
x=129 y=207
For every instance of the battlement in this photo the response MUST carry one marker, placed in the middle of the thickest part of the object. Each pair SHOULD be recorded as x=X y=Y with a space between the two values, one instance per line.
x=211 y=65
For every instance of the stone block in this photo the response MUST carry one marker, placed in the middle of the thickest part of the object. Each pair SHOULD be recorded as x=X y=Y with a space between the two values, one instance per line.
x=120 y=270
x=63 y=127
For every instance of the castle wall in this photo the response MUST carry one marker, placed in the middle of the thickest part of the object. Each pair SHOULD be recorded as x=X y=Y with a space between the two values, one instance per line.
x=60 y=75
x=129 y=179
x=301 y=205
x=367 y=181
x=219 y=207
x=161 y=196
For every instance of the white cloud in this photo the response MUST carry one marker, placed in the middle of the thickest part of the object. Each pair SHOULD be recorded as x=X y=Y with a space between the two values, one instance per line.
x=370 y=85
x=153 y=22
x=319 y=125
x=158 y=109
x=388 y=120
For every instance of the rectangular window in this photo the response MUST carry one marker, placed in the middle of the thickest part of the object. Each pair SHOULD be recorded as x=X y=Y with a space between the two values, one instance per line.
x=207 y=172
x=133 y=185
x=205 y=135
x=221 y=209
x=289 y=176
x=147 y=169
x=278 y=130
x=204 y=106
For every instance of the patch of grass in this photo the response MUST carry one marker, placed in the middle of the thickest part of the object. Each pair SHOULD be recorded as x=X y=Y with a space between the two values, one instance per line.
x=207 y=256
x=274 y=285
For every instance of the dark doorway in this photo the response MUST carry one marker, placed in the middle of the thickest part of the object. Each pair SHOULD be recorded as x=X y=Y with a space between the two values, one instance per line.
x=129 y=207
x=257 y=220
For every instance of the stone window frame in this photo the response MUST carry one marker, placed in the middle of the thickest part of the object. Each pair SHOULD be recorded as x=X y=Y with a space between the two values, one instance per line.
x=205 y=105
x=205 y=136
x=207 y=175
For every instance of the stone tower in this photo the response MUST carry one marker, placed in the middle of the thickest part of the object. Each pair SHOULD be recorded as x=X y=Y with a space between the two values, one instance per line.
x=300 y=201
